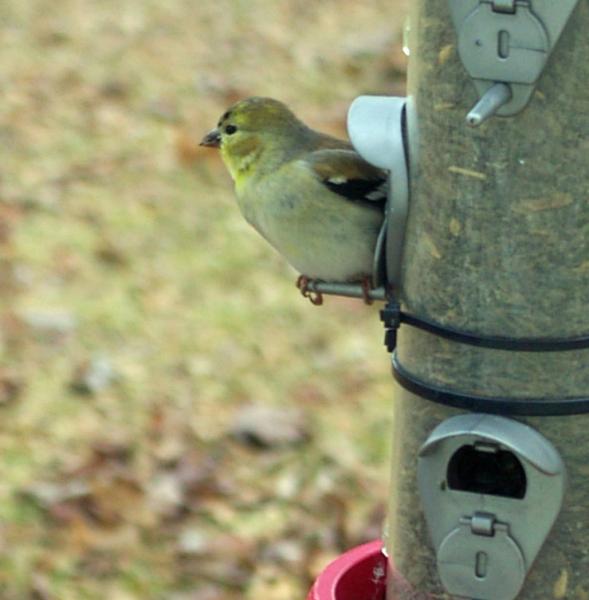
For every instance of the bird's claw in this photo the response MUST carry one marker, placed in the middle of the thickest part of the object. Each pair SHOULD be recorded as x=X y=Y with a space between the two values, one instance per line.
x=315 y=298
x=366 y=284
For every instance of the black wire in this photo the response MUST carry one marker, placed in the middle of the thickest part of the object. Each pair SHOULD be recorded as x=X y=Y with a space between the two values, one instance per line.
x=525 y=406
x=494 y=341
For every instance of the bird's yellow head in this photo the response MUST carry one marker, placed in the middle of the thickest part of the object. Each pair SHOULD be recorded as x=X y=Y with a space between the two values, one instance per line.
x=251 y=129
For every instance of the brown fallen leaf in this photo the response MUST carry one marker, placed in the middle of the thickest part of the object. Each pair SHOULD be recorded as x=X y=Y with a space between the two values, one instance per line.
x=11 y=385
x=270 y=427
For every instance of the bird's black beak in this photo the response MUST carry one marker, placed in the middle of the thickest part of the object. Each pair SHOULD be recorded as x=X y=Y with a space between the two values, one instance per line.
x=212 y=139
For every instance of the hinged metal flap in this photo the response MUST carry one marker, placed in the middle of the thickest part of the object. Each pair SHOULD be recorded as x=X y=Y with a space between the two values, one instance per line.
x=510 y=434
x=553 y=13
x=491 y=489
x=507 y=42
x=487 y=567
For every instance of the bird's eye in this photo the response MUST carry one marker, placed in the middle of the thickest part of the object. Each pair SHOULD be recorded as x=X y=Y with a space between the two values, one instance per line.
x=230 y=129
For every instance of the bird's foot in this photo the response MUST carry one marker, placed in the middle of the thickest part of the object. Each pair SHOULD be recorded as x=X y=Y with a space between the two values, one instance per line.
x=366 y=284
x=315 y=298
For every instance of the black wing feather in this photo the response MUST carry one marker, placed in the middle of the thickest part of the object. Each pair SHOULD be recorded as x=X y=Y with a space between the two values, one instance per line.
x=361 y=190
x=347 y=174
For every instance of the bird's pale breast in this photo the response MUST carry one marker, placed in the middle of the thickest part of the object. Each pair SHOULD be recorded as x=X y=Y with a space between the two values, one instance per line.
x=320 y=234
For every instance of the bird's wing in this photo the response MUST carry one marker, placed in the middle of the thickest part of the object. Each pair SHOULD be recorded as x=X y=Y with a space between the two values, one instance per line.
x=347 y=174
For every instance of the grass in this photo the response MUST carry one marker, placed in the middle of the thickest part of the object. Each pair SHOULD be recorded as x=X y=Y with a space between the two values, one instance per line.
x=111 y=215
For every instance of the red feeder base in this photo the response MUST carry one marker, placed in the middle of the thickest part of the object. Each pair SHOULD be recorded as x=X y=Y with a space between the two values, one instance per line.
x=359 y=574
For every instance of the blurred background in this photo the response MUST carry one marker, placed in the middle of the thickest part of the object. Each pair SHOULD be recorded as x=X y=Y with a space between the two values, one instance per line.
x=176 y=421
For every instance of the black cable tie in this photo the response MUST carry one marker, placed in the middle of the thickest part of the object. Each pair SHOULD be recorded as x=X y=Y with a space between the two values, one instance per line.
x=523 y=406
x=393 y=317
x=497 y=342
x=390 y=315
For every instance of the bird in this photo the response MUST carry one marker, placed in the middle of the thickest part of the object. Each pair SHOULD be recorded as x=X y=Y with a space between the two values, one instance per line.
x=310 y=195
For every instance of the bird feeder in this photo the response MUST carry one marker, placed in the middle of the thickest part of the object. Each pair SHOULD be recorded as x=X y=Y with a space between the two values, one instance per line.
x=486 y=278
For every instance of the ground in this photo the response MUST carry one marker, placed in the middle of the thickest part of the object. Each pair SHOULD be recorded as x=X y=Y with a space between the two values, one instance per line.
x=176 y=421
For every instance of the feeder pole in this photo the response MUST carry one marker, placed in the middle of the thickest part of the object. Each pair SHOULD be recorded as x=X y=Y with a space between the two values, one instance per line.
x=497 y=244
